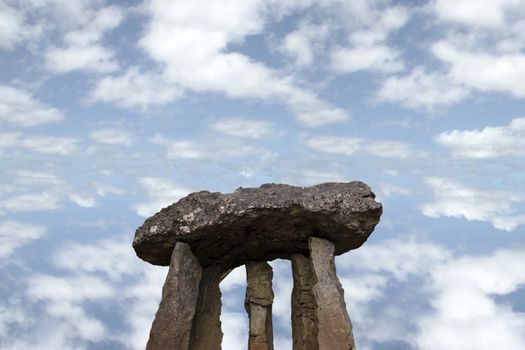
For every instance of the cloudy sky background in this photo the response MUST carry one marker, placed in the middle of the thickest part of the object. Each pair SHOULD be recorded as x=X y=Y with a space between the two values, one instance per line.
x=111 y=110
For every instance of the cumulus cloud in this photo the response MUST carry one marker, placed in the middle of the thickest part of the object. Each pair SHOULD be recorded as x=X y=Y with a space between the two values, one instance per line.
x=255 y=129
x=487 y=143
x=482 y=70
x=358 y=146
x=489 y=14
x=14 y=27
x=82 y=200
x=303 y=44
x=111 y=136
x=116 y=254
x=37 y=143
x=461 y=291
x=59 y=308
x=420 y=89
x=389 y=189
x=134 y=89
x=196 y=55
x=28 y=202
x=161 y=193
x=19 y=108
x=63 y=298
x=368 y=49
x=217 y=150
x=14 y=234
x=465 y=314
x=82 y=49
x=26 y=177
x=454 y=199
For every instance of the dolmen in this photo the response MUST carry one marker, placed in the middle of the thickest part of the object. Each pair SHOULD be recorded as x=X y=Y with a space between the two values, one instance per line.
x=205 y=235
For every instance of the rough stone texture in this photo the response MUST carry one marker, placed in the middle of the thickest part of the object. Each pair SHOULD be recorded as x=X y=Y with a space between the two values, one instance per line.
x=304 y=318
x=206 y=332
x=334 y=326
x=258 y=304
x=171 y=328
x=265 y=223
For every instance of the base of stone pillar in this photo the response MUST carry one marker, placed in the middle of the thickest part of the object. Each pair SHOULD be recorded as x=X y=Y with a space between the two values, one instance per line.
x=206 y=333
x=304 y=318
x=258 y=305
x=172 y=326
x=334 y=326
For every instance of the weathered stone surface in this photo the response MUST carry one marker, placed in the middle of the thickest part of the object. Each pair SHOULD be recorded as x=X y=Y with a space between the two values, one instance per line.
x=171 y=328
x=258 y=304
x=334 y=326
x=304 y=318
x=206 y=332
x=265 y=223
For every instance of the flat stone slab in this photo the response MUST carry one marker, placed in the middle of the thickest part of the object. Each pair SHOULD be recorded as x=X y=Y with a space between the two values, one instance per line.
x=265 y=223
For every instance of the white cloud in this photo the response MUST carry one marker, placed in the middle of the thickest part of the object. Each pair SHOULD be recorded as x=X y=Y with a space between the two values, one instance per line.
x=358 y=146
x=389 y=189
x=135 y=89
x=235 y=329
x=461 y=291
x=491 y=14
x=43 y=201
x=313 y=112
x=83 y=50
x=236 y=278
x=103 y=189
x=453 y=199
x=374 y=57
x=19 y=108
x=465 y=314
x=137 y=283
x=42 y=144
x=93 y=57
x=26 y=177
x=420 y=89
x=82 y=200
x=399 y=257
x=369 y=275
x=484 y=71
x=303 y=43
x=335 y=144
x=113 y=257
x=112 y=136
x=63 y=298
x=255 y=129
x=489 y=142
x=191 y=38
x=161 y=192
x=14 y=28
x=368 y=50
x=219 y=149
x=15 y=234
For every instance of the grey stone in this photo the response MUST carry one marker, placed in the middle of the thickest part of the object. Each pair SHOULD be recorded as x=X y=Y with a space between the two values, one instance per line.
x=265 y=223
x=206 y=333
x=258 y=304
x=334 y=326
x=304 y=318
x=172 y=326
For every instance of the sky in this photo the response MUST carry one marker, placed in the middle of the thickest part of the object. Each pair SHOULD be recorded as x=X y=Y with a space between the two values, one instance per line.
x=112 y=110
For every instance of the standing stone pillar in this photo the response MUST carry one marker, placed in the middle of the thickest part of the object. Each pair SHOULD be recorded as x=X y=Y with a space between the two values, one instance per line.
x=206 y=333
x=304 y=318
x=171 y=328
x=258 y=305
x=334 y=326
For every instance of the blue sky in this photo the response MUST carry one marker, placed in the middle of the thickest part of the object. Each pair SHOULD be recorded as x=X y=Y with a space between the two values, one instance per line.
x=110 y=111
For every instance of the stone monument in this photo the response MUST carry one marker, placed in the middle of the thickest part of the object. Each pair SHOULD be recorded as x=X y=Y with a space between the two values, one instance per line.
x=205 y=235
